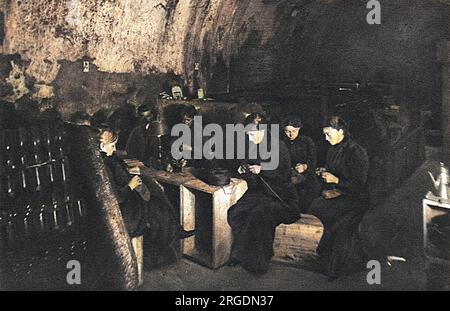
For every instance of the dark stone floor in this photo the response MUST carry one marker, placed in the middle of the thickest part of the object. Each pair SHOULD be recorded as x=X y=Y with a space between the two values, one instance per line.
x=391 y=229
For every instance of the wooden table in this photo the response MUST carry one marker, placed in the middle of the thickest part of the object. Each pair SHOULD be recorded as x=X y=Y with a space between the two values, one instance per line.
x=176 y=179
x=205 y=209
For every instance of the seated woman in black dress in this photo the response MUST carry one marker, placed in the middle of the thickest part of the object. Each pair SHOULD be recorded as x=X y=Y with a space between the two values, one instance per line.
x=144 y=206
x=302 y=150
x=343 y=202
x=270 y=201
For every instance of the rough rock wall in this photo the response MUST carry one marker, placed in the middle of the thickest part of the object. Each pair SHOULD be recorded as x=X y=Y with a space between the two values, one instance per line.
x=241 y=46
x=234 y=42
x=125 y=36
x=138 y=41
x=130 y=44
x=120 y=35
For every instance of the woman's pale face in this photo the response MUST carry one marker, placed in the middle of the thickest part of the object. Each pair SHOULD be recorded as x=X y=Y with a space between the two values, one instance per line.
x=188 y=120
x=147 y=115
x=256 y=136
x=292 y=132
x=109 y=149
x=333 y=136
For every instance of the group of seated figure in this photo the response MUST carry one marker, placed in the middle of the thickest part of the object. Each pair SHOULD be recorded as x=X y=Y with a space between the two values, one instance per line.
x=336 y=193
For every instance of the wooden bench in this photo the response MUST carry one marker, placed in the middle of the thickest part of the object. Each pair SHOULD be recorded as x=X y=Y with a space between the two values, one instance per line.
x=297 y=242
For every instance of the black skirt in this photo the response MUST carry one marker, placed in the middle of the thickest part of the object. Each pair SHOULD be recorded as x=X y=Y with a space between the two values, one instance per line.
x=254 y=220
x=340 y=248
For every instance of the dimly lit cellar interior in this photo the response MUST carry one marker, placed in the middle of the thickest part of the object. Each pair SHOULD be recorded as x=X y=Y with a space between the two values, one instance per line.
x=70 y=69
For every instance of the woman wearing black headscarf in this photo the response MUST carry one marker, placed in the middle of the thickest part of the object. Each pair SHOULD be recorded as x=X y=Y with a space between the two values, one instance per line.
x=302 y=150
x=270 y=201
x=344 y=201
